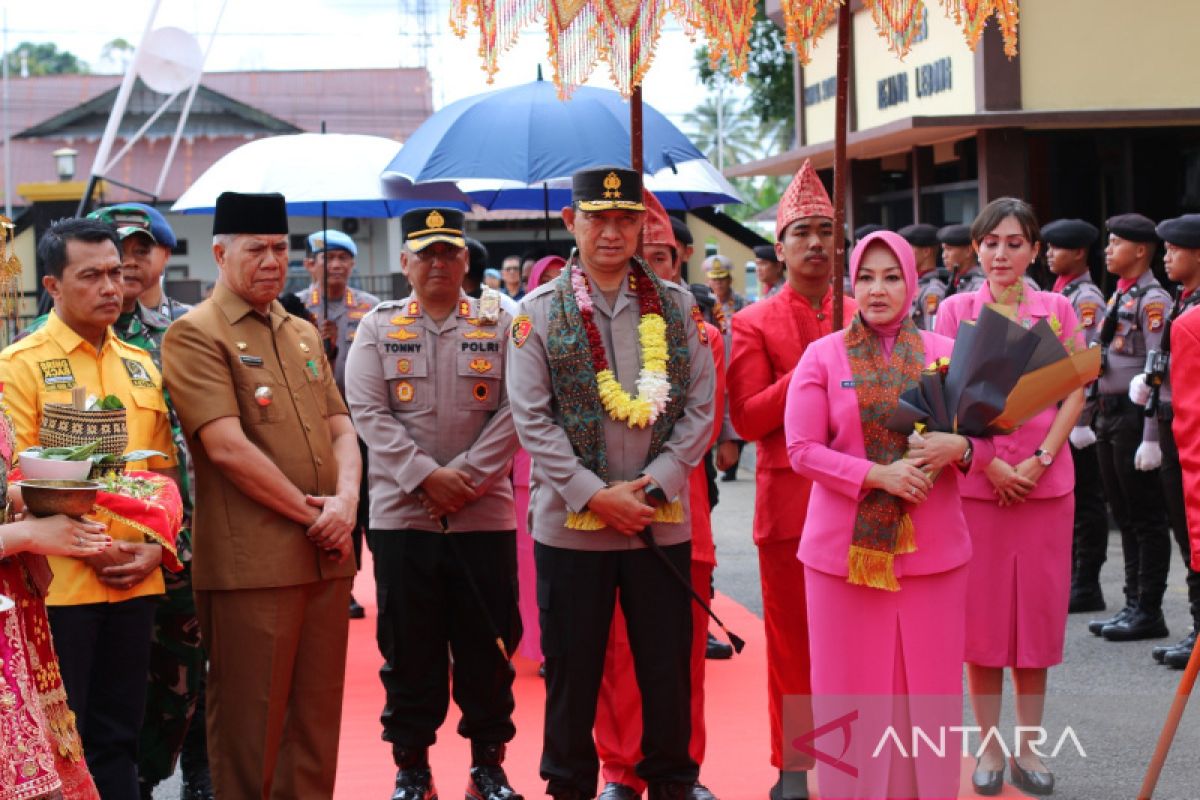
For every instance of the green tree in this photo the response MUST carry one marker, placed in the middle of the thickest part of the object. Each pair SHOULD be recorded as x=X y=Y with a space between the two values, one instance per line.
x=769 y=77
x=117 y=53
x=44 y=58
x=722 y=130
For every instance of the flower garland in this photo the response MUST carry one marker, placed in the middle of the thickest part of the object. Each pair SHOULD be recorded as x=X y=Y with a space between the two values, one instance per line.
x=653 y=385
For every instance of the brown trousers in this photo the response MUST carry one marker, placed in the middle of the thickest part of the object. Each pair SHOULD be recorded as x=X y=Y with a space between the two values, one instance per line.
x=277 y=660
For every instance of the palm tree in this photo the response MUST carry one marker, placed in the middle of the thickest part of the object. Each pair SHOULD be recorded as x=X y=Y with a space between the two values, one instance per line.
x=722 y=129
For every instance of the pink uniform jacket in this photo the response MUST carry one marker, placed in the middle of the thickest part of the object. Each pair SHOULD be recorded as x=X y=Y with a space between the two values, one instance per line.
x=825 y=444
x=1059 y=479
x=768 y=339
x=1185 y=361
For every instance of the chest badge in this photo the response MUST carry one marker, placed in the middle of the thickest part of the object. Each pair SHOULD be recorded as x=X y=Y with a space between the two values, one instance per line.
x=404 y=392
x=481 y=391
x=522 y=326
x=402 y=320
x=404 y=366
x=402 y=335
x=481 y=365
x=241 y=345
x=304 y=347
x=263 y=396
x=479 y=335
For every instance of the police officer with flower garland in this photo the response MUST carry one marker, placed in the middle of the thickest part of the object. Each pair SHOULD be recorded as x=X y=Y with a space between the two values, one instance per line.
x=1067 y=243
x=615 y=406
x=425 y=386
x=1127 y=440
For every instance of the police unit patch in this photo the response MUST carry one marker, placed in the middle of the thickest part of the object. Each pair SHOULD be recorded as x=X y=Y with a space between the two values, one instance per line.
x=57 y=374
x=481 y=365
x=402 y=335
x=404 y=392
x=481 y=391
x=700 y=329
x=404 y=366
x=1087 y=314
x=522 y=326
x=1154 y=315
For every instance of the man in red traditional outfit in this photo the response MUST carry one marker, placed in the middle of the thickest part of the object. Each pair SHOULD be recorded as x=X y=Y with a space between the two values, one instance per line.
x=768 y=339
x=618 y=728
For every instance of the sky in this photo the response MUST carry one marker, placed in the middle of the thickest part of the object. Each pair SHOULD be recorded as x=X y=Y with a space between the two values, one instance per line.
x=335 y=34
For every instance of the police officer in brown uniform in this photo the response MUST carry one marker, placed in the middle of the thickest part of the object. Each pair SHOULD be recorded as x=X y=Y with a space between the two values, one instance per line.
x=277 y=472
x=1127 y=440
x=425 y=383
x=606 y=470
x=1067 y=242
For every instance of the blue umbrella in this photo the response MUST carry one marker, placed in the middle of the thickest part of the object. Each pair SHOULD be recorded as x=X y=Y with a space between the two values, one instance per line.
x=513 y=148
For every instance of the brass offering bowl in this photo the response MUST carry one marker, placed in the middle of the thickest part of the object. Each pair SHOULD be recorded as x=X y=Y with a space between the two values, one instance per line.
x=45 y=498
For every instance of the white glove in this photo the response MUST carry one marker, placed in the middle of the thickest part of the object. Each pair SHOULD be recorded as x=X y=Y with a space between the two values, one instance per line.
x=1082 y=436
x=1139 y=390
x=1148 y=457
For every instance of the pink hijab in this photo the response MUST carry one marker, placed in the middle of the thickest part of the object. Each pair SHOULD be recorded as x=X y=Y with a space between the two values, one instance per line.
x=903 y=252
x=542 y=264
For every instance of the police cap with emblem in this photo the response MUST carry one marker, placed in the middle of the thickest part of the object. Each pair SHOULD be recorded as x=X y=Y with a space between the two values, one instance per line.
x=955 y=235
x=863 y=231
x=128 y=221
x=1181 y=231
x=920 y=235
x=1070 y=234
x=607 y=189
x=250 y=213
x=1133 y=227
x=422 y=227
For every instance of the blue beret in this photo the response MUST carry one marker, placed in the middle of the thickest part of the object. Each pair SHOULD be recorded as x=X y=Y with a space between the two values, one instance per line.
x=331 y=240
x=1182 y=231
x=160 y=229
x=1133 y=227
x=920 y=235
x=1074 y=234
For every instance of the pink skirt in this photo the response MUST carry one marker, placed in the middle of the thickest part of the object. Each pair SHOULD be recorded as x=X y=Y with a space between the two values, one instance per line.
x=1020 y=581
x=887 y=686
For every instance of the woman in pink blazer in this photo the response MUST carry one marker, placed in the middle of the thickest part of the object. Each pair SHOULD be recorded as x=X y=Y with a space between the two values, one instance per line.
x=1019 y=512
x=885 y=546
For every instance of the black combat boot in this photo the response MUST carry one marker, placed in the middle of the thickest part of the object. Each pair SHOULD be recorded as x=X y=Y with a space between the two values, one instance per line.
x=669 y=790
x=1177 y=657
x=1097 y=626
x=487 y=780
x=414 y=781
x=1144 y=623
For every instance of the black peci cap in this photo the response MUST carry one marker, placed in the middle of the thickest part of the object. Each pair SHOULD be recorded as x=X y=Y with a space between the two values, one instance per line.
x=766 y=252
x=1181 y=231
x=920 y=235
x=955 y=235
x=1133 y=227
x=863 y=231
x=250 y=213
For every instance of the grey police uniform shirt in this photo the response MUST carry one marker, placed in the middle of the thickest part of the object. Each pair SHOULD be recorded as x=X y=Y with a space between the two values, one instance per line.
x=1164 y=391
x=1090 y=309
x=930 y=292
x=1140 y=324
x=425 y=395
x=347 y=313
x=559 y=482
x=970 y=281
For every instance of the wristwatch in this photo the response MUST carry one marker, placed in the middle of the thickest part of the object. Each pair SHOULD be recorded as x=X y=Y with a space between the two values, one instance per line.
x=1044 y=457
x=967 y=455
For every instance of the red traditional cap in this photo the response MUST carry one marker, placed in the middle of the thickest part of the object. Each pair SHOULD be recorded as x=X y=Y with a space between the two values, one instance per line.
x=805 y=197
x=657 y=227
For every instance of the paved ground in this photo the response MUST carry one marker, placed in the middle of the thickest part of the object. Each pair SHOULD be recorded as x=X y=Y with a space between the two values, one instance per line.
x=1111 y=695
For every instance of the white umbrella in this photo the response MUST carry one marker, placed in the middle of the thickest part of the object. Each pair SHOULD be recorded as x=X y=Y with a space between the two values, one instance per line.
x=318 y=173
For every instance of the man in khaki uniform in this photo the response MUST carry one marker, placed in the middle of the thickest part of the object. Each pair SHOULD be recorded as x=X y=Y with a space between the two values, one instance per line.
x=277 y=471
x=425 y=383
x=603 y=474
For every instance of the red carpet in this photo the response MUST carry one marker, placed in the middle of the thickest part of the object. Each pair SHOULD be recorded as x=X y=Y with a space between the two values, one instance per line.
x=735 y=768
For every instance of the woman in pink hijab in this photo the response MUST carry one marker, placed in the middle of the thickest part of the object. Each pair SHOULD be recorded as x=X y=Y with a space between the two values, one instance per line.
x=544 y=271
x=885 y=545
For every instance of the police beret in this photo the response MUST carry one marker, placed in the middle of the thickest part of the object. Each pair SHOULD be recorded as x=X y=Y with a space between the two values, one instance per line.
x=863 y=231
x=766 y=252
x=1074 y=234
x=920 y=235
x=606 y=189
x=250 y=213
x=321 y=241
x=422 y=227
x=1133 y=227
x=683 y=234
x=955 y=235
x=1181 y=231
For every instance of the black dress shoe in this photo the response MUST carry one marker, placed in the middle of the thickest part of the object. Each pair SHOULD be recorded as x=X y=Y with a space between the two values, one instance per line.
x=792 y=785
x=1139 y=625
x=669 y=790
x=1097 y=626
x=716 y=650
x=356 y=611
x=1039 y=783
x=1177 y=657
x=987 y=782
x=414 y=783
x=618 y=791
x=701 y=792
x=1086 y=599
x=490 y=783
